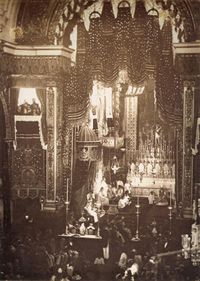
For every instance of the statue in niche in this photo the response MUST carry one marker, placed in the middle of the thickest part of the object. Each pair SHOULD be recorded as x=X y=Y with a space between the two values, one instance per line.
x=166 y=169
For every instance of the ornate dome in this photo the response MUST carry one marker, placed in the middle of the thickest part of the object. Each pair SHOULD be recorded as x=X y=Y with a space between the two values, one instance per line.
x=87 y=135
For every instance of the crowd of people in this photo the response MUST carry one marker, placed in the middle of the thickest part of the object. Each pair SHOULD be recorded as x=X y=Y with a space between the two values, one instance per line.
x=45 y=256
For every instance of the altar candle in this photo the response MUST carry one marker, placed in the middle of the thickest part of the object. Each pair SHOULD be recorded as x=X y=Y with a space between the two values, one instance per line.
x=170 y=199
x=138 y=198
x=67 y=190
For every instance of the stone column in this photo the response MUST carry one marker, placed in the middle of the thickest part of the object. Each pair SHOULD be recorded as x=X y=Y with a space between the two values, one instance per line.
x=7 y=183
x=188 y=120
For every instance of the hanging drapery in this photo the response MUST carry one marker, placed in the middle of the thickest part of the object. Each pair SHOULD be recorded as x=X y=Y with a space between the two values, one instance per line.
x=135 y=46
x=41 y=93
x=168 y=83
x=14 y=100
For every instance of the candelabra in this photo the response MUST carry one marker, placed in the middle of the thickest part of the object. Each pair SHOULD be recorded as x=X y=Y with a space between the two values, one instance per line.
x=170 y=208
x=185 y=241
x=136 y=238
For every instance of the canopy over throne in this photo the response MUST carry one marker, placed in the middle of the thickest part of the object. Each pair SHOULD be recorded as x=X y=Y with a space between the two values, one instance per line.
x=121 y=90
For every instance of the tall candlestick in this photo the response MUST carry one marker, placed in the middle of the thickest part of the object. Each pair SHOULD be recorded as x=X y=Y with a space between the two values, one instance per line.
x=170 y=199
x=136 y=238
x=67 y=190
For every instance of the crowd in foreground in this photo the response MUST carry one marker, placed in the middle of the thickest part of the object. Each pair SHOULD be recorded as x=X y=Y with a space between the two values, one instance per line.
x=44 y=256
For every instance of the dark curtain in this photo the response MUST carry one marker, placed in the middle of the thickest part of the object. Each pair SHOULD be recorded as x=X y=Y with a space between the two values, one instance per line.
x=41 y=93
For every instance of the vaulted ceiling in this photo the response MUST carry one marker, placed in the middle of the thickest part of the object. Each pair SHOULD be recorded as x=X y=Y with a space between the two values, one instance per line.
x=40 y=20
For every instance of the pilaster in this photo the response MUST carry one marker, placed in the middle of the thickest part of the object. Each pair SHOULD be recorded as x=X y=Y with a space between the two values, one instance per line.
x=188 y=121
x=51 y=161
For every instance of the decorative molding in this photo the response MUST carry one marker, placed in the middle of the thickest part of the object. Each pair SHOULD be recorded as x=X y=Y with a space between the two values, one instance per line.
x=50 y=61
x=67 y=155
x=131 y=107
x=36 y=65
x=59 y=124
x=186 y=48
x=47 y=51
x=51 y=161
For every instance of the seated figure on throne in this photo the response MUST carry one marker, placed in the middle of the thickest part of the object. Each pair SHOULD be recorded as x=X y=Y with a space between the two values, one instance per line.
x=90 y=207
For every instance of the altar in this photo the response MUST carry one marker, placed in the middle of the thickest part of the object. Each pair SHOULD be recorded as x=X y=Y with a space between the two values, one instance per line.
x=90 y=244
x=147 y=185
